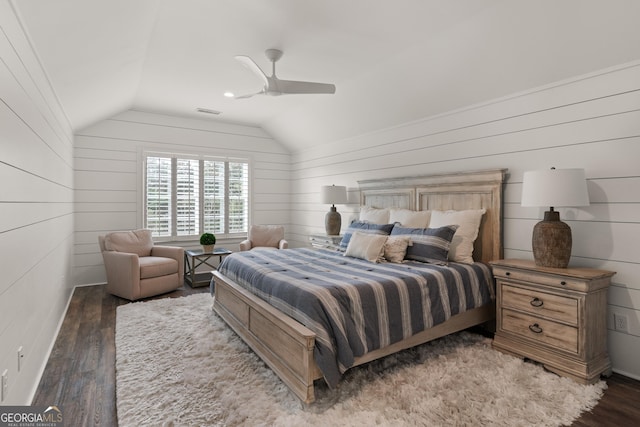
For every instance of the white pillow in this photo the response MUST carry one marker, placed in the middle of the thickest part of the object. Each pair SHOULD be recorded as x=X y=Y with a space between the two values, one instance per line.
x=369 y=247
x=395 y=248
x=468 y=222
x=374 y=215
x=408 y=218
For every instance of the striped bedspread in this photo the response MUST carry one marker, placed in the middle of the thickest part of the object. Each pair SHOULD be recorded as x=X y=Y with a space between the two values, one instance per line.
x=355 y=306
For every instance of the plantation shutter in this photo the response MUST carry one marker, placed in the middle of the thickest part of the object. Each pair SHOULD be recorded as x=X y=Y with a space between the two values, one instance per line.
x=185 y=197
x=158 y=195
x=238 y=196
x=214 y=192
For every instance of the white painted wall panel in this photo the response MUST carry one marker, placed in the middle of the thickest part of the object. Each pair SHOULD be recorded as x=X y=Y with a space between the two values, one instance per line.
x=16 y=215
x=105 y=196
x=105 y=207
x=590 y=122
x=106 y=165
x=25 y=150
x=160 y=135
x=102 y=222
x=625 y=361
x=36 y=201
x=101 y=180
x=90 y=153
x=31 y=187
x=195 y=124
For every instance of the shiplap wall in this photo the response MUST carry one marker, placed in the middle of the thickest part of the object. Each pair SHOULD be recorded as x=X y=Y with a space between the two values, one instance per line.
x=107 y=158
x=590 y=122
x=36 y=211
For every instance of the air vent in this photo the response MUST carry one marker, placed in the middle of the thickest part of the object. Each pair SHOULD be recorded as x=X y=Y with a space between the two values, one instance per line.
x=208 y=111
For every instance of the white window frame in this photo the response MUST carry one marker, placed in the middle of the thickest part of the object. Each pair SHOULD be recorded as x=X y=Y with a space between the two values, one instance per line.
x=199 y=157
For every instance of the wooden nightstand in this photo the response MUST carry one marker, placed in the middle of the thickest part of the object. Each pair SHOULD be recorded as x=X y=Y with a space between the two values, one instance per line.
x=324 y=241
x=555 y=316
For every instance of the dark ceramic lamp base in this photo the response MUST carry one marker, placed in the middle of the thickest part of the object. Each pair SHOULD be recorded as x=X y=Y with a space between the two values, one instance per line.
x=332 y=222
x=551 y=241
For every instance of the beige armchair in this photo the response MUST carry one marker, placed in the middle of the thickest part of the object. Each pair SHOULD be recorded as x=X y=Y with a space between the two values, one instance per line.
x=136 y=268
x=265 y=236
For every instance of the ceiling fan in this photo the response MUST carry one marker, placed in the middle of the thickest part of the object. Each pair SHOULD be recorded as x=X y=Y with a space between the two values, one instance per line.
x=274 y=86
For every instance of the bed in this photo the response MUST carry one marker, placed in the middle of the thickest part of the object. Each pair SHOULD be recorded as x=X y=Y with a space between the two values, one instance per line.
x=288 y=347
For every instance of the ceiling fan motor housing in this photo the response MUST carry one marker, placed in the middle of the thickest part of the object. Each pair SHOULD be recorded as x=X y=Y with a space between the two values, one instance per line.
x=273 y=54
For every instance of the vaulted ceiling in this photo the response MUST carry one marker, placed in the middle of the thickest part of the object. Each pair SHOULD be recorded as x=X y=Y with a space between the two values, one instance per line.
x=391 y=61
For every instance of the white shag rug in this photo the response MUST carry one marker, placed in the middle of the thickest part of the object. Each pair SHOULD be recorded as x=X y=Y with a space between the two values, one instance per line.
x=179 y=364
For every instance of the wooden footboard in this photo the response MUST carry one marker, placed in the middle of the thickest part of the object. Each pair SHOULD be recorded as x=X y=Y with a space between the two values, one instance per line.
x=281 y=342
x=287 y=346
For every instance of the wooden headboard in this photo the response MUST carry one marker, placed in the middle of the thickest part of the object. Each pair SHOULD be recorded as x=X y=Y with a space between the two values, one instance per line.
x=457 y=191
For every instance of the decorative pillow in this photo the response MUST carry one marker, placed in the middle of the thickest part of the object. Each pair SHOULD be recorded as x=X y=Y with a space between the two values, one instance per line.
x=364 y=227
x=137 y=242
x=374 y=215
x=369 y=247
x=395 y=248
x=468 y=226
x=427 y=244
x=409 y=218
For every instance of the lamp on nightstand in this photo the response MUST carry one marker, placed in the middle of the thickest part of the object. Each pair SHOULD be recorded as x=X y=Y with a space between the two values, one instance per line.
x=551 y=238
x=332 y=195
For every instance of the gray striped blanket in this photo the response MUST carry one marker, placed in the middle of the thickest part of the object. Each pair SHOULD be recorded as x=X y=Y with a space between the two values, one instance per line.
x=355 y=306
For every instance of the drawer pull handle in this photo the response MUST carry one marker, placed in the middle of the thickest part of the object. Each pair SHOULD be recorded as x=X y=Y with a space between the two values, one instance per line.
x=563 y=283
x=508 y=273
x=536 y=302
x=535 y=328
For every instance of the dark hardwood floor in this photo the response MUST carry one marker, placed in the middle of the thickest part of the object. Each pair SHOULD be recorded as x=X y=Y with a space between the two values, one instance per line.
x=80 y=374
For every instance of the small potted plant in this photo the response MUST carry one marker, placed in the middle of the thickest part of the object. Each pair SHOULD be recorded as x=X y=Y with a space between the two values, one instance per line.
x=207 y=240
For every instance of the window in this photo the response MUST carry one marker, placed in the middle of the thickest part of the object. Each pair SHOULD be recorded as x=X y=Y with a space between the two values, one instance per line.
x=185 y=197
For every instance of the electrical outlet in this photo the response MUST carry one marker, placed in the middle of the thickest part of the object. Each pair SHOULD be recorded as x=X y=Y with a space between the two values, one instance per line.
x=20 y=357
x=620 y=322
x=5 y=385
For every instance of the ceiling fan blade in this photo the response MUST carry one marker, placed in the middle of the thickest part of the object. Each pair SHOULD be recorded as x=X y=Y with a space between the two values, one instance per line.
x=249 y=95
x=296 y=87
x=253 y=67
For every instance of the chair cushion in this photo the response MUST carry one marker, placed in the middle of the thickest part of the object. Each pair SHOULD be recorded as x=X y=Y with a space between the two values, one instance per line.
x=154 y=266
x=135 y=242
x=266 y=235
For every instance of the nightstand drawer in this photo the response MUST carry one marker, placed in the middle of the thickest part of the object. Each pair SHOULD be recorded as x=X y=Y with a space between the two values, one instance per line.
x=556 y=335
x=555 y=307
x=541 y=279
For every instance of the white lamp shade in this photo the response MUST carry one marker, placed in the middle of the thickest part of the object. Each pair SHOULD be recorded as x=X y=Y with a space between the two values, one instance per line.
x=334 y=194
x=555 y=187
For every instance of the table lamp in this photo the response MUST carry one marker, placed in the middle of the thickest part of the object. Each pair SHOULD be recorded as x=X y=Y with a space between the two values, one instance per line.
x=551 y=238
x=333 y=194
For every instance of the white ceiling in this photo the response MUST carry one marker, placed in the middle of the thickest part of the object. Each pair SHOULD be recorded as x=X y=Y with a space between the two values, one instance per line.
x=391 y=61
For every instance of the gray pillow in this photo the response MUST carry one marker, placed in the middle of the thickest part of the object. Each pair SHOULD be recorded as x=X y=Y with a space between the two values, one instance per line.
x=364 y=227
x=427 y=244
